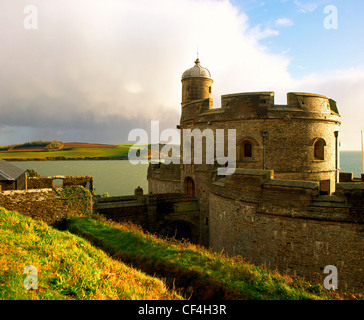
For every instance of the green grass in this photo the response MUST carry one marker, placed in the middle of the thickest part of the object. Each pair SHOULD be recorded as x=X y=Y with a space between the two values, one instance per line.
x=91 y=258
x=68 y=266
x=75 y=153
x=202 y=274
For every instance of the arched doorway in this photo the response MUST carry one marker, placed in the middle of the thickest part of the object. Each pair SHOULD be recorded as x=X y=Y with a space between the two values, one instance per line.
x=189 y=187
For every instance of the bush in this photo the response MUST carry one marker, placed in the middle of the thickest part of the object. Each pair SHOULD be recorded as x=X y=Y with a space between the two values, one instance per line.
x=54 y=145
x=32 y=173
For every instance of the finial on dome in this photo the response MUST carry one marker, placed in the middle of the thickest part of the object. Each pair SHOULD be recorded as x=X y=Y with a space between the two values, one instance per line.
x=196 y=71
x=197 y=60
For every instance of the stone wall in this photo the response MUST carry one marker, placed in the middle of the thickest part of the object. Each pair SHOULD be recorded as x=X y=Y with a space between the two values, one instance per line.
x=47 y=182
x=164 y=186
x=289 y=226
x=40 y=182
x=123 y=208
x=48 y=205
x=196 y=89
x=152 y=212
x=164 y=178
x=291 y=130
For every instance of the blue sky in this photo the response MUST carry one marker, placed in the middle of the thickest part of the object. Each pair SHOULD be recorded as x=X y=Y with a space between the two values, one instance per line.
x=310 y=46
x=93 y=70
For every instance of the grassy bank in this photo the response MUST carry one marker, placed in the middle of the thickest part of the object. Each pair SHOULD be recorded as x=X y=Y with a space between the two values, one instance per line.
x=68 y=267
x=201 y=273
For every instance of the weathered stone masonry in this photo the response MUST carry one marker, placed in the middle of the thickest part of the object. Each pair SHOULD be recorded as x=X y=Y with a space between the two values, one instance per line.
x=44 y=202
x=48 y=205
x=287 y=205
x=288 y=225
x=47 y=182
x=159 y=213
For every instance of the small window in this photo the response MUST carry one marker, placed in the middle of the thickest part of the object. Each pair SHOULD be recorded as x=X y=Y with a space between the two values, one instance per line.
x=209 y=89
x=248 y=150
x=245 y=150
x=319 y=149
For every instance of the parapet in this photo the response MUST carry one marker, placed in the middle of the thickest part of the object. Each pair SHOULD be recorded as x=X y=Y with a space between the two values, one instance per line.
x=349 y=177
x=195 y=108
x=292 y=197
x=258 y=105
x=311 y=102
x=248 y=99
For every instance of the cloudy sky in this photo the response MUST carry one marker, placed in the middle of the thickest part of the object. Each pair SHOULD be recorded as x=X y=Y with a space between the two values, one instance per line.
x=93 y=70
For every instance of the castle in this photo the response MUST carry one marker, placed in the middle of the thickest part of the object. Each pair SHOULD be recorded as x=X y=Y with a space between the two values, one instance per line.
x=287 y=205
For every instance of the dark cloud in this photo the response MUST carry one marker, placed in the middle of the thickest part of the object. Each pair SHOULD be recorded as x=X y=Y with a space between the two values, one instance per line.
x=94 y=70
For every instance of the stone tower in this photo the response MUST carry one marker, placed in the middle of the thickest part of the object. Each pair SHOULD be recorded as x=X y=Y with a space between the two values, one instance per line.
x=196 y=84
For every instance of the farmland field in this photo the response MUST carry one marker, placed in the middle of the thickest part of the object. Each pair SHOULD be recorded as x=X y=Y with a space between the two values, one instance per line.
x=70 y=151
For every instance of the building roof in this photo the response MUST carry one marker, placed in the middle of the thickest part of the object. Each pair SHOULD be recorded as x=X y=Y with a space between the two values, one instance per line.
x=9 y=172
x=197 y=72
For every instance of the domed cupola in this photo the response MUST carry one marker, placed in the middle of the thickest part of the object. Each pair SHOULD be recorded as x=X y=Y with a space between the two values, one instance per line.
x=196 y=84
x=197 y=71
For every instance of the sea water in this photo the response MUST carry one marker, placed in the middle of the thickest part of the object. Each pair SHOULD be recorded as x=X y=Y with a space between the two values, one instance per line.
x=120 y=177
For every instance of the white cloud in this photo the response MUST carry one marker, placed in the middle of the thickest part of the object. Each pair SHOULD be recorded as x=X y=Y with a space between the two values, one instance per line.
x=284 y=22
x=306 y=7
x=88 y=62
x=97 y=71
x=258 y=33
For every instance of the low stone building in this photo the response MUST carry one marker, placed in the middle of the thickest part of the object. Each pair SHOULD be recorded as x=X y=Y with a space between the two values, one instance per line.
x=12 y=177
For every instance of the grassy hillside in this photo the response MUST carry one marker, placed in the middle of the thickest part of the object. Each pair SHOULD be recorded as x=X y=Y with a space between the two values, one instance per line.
x=68 y=151
x=73 y=153
x=201 y=273
x=68 y=267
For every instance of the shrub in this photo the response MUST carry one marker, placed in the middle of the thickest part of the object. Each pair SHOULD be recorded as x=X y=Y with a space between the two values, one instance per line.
x=32 y=173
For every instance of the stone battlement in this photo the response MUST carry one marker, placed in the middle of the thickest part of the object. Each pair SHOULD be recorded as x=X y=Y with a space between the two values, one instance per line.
x=293 y=198
x=253 y=105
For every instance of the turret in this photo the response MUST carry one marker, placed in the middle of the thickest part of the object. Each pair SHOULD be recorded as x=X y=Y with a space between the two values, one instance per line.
x=196 y=84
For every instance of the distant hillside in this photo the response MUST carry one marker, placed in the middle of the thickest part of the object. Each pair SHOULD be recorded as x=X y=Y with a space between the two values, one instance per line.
x=58 y=150
x=47 y=146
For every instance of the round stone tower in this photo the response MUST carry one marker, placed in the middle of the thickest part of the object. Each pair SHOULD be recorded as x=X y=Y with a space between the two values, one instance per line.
x=196 y=84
